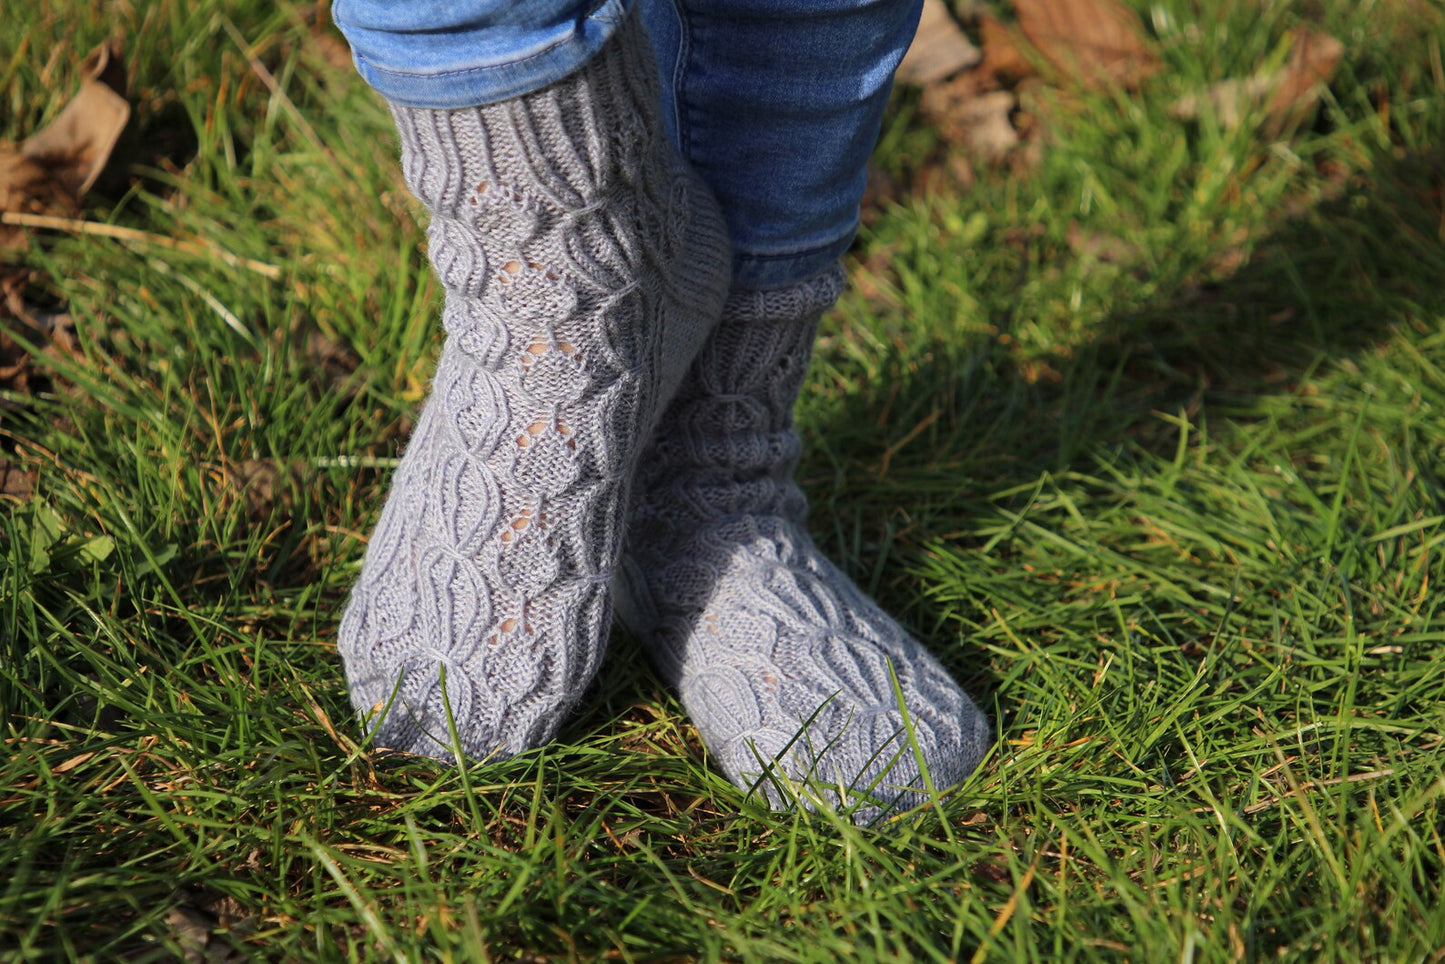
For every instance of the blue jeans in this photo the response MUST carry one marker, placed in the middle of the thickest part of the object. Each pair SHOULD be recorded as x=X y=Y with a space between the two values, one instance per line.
x=776 y=103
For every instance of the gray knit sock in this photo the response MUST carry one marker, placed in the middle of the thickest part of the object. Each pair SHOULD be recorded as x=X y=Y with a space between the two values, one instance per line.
x=583 y=266
x=775 y=653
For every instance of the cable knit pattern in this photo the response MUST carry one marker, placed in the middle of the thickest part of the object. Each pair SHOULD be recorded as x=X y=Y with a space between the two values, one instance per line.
x=583 y=266
x=775 y=653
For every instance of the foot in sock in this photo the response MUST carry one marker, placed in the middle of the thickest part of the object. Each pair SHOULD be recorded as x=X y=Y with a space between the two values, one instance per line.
x=775 y=653
x=583 y=265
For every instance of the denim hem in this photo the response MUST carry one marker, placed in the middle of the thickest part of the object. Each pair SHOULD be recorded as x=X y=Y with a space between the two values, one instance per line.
x=763 y=271
x=462 y=87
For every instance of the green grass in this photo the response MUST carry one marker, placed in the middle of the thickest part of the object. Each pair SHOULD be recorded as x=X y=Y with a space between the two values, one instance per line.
x=1171 y=506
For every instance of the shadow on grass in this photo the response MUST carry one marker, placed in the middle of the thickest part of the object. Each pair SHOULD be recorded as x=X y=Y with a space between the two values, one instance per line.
x=1330 y=284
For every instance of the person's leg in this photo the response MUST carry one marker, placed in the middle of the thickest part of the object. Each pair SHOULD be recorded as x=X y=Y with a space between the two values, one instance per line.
x=775 y=653
x=777 y=105
x=583 y=265
x=464 y=53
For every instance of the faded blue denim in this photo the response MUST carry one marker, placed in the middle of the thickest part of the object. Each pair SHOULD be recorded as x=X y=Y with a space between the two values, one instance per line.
x=776 y=103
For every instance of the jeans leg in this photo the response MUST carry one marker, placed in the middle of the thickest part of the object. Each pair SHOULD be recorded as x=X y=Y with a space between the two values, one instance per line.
x=777 y=104
x=448 y=54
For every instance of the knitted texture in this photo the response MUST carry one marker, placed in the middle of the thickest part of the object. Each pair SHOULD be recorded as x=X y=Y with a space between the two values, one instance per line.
x=583 y=266
x=775 y=653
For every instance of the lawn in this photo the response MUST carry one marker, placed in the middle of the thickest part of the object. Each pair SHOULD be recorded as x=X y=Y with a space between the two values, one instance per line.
x=1141 y=434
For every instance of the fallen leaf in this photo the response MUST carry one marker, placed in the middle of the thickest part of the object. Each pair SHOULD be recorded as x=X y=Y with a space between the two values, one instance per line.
x=1099 y=43
x=1313 y=57
x=18 y=325
x=75 y=146
x=1287 y=95
x=22 y=324
x=16 y=483
x=984 y=125
x=55 y=166
x=939 y=49
x=196 y=932
x=26 y=186
x=968 y=116
x=1003 y=59
x=1225 y=101
x=42 y=181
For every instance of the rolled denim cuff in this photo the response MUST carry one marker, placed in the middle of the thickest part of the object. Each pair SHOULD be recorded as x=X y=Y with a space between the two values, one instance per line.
x=762 y=271
x=448 y=54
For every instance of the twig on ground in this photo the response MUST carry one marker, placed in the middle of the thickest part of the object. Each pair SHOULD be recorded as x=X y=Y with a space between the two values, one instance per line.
x=77 y=226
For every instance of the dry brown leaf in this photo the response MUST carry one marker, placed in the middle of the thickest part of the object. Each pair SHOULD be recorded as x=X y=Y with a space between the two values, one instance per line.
x=1003 y=61
x=52 y=168
x=1225 y=101
x=969 y=114
x=939 y=49
x=1288 y=95
x=76 y=145
x=16 y=483
x=1313 y=57
x=1098 y=43
x=984 y=126
x=195 y=931
x=15 y=360
x=26 y=186
x=54 y=334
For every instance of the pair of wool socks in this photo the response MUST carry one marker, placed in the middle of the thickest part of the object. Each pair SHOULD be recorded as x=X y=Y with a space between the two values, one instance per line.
x=586 y=270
